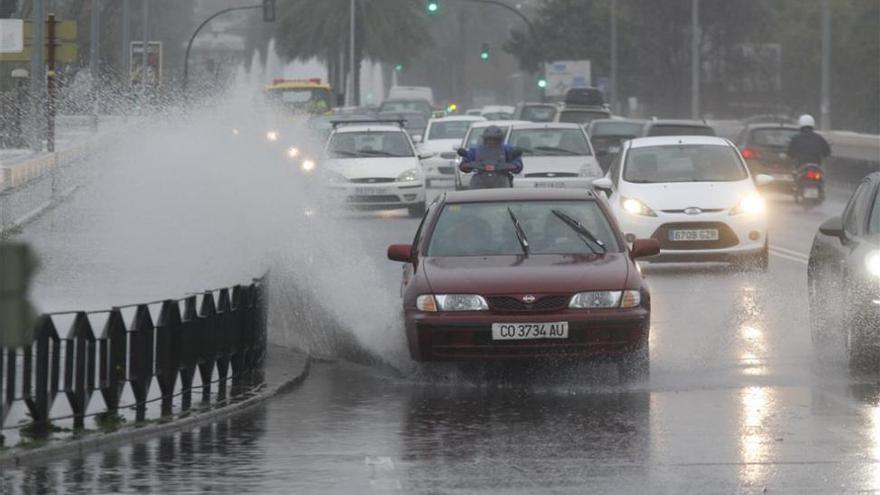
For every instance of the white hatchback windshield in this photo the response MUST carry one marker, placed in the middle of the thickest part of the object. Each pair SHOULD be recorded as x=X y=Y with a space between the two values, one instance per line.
x=683 y=163
x=545 y=142
x=369 y=144
x=448 y=130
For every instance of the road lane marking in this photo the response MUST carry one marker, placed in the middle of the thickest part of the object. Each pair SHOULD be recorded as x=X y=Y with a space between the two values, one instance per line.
x=789 y=258
x=789 y=255
x=790 y=251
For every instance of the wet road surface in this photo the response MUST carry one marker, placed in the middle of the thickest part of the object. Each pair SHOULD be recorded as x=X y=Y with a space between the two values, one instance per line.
x=735 y=404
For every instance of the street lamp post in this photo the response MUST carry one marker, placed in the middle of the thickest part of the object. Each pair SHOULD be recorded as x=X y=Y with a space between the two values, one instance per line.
x=695 y=59
x=613 y=89
x=38 y=76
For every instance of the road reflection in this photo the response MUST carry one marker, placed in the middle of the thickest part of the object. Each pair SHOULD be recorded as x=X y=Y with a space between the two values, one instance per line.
x=756 y=445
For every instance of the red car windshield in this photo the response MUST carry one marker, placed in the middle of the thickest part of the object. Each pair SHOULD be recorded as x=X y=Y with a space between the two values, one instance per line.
x=486 y=229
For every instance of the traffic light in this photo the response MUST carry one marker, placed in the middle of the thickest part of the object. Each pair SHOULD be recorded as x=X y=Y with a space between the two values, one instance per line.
x=398 y=67
x=432 y=6
x=268 y=10
x=484 y=52
x=542 y=83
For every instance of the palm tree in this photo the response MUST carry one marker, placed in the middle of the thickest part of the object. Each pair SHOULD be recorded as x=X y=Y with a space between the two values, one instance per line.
x=386 y=30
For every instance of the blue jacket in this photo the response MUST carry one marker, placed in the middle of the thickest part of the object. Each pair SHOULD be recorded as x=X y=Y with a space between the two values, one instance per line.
x=467 y=160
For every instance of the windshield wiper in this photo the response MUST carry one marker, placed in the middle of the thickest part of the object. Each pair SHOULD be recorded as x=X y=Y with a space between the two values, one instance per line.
x=520 y=233
x=556 y=149
x=343 y=153
x=376 y=152
x=583 y=232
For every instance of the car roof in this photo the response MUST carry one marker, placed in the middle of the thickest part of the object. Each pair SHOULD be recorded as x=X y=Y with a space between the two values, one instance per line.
x=500 y=123
x=537 y=104
x=618 y=120
x=378 y=127
x=548 y=125
x=679 y=122
x=459 y=118
x=772 y=125
x=584 y=108
x=644 y=142
x=516 y=194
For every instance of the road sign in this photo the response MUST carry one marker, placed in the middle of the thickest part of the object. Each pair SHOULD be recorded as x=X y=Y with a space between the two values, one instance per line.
x=65 y=31
x=65 y=53
x=565 y=74
x=154 y=63
x=11 y=36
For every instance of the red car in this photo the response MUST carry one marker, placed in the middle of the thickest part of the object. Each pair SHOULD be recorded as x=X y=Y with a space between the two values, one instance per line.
x=523 y=274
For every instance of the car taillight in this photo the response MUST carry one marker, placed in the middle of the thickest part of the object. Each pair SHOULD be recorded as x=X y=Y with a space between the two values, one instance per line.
x=749 y=153
x=813 y=175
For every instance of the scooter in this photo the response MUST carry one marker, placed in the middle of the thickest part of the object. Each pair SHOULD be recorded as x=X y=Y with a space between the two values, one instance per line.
x=491 y=172
x=809 y=190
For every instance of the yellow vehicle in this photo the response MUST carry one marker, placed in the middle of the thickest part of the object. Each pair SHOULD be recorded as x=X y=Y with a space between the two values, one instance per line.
x=302 y=95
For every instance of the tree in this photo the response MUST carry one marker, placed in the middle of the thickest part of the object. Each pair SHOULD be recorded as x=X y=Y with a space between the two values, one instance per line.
x=387 y=30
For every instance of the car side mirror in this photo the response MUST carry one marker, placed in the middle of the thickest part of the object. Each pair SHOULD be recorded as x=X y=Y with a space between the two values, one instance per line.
x=762 y=180
x=642 y=248
x=833 y=227
x=603 y=184
x=400 y=252
x=425 y=155
x=461 y=152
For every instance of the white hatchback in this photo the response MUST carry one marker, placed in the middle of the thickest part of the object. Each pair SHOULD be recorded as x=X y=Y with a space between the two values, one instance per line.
x=374 y=166
x=554 y=155
x=694 y=195
x=442 y=137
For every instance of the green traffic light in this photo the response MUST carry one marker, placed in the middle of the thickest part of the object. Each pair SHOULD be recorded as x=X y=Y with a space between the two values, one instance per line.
x=398 y=67
x=542 y=83
x=433 y=7
x=484 y=55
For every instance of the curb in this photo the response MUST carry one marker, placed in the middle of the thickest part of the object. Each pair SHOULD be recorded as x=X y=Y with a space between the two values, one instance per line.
x=92 y=443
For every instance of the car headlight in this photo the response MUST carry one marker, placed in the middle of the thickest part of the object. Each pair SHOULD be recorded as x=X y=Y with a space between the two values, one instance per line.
x=272 y=135
x=235 y=132
x=335 y=177
x=636 y=207
x=872 y=263
x=409 y=176
x=451 y=302
x=606 y=299
x=752 y=204
x=307 y=165
x=293 y=152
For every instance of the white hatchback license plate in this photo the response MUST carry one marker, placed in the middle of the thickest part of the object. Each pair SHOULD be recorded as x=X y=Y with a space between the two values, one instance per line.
x=370 y=191
x=811 y=192
x=525 y=331
x=550 y=184
x=694 y=235
x=783 y=177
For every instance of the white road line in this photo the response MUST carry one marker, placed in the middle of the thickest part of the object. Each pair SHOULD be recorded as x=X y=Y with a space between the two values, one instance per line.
x=790 y=252
x=788 y=257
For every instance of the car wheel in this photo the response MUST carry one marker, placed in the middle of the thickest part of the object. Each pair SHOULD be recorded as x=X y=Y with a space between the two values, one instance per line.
x=861 y=349
x=636 y=365
x=417 y=211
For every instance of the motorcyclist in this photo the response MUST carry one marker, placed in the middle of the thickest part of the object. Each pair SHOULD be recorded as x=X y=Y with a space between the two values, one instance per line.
x=494 y=152
x=808 y=146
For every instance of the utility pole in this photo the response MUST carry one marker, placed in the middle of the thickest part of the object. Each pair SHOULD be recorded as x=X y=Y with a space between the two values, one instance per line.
x=825 y=103
x=695 y=59
x=51 y=45
x=125 y=65
x=38 y=76
x=613 y=89
x=94 y=34
x=350 y=99
x=146 y=34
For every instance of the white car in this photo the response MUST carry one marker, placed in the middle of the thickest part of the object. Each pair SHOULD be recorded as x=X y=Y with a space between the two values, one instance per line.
x=473 y=138
x=694 y=194
x=554 y=155
x=374 y=166
x=497 y=112
x=442 y=137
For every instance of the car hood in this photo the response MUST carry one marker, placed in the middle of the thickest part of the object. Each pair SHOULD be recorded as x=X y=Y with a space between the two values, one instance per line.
x=539 y=274
x=440 y=145
x=681 y=195
x=362 y=168
x=560 y=164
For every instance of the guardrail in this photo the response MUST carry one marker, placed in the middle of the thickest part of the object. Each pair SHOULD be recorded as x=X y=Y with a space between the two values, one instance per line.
x=222 y=330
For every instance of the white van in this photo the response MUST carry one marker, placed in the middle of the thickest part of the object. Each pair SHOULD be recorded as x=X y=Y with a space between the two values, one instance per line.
x=411 y=93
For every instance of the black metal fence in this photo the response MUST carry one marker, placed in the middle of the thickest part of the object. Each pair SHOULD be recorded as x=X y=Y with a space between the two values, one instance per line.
x=222 y=330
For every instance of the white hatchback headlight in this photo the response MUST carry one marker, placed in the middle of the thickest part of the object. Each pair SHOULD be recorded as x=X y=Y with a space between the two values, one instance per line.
x=752 y=204
x=451 y=302
x=872 y=263
x=272 y=136
x=606 y=299
x=636 y=207
x=410 y=175
x=307 y=165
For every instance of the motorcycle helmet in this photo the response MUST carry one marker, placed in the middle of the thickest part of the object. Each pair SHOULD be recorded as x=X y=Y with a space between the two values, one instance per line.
x=493 y=135
x=806 y=120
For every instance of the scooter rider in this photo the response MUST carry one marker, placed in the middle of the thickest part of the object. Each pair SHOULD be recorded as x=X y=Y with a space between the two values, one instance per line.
x=493 y=161
x=808 y=146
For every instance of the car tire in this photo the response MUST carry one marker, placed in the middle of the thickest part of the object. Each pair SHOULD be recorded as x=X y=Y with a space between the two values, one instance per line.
x=861 y=348
x=417 y=211
x=635 y=366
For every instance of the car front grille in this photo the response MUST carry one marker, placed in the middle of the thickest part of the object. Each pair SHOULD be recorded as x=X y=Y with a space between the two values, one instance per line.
x=726 y=237
x=702 y=210
x=551 y=175
x=372 y=180
x=446 y=170
x=390 y=198
x=546 y=303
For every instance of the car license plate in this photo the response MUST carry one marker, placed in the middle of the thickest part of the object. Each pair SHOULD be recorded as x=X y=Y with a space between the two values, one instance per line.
x=550 y=184
x=783 y=177
x=370 y=191
x=526 y=331
x=694 y=235
x=811 y=192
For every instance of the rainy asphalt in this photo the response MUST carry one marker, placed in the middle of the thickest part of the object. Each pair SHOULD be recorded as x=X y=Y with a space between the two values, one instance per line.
x=736 y=403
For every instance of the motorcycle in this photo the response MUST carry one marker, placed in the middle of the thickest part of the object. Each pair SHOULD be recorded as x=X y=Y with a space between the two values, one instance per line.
x=809 y=189
x=491 y=169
